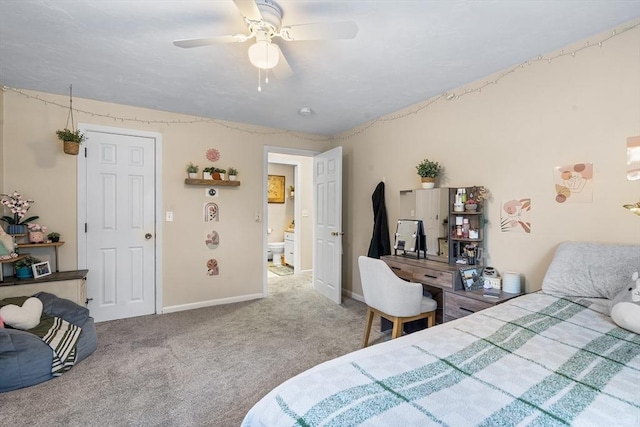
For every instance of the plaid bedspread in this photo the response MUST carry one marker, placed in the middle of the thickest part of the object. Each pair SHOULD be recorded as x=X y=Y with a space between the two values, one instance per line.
x=536 y=360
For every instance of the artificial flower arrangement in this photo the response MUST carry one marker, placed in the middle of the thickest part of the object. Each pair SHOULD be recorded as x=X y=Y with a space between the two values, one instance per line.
x=36 y=232
x=18 y=207
x=33 y=227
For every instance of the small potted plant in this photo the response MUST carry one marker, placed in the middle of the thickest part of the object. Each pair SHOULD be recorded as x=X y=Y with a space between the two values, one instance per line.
x=222 y=173
x=233 y=174
x=428 y=172
x=23 y=267
x=292 y=191
x=71 y=140
x=54 y=237
x=207 y=173
x=36 y=232
x=192 y=171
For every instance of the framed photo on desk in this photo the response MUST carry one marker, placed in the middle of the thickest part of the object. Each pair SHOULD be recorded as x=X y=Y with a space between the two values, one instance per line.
x=471 y=278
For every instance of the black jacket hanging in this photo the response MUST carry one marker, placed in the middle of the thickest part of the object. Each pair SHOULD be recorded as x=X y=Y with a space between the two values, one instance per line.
x=380 y=240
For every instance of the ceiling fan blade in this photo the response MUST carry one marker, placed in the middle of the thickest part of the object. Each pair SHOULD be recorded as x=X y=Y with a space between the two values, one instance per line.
x=282 y=71
x=320 y=31
x=249 y=9
x=206 y=41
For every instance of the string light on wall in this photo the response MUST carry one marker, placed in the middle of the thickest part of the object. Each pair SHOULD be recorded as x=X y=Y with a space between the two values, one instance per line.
x=449 y=96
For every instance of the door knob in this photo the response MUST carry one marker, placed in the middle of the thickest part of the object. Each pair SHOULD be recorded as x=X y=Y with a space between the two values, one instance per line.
x=336 y=233
x=148 y=236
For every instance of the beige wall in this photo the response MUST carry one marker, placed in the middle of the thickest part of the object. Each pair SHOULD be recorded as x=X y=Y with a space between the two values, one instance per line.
x=34 y=164
x=509 y=137
x=2 y=171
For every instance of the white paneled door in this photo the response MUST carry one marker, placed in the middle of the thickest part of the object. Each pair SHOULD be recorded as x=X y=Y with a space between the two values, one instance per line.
x=327 y=180
x=120 y=225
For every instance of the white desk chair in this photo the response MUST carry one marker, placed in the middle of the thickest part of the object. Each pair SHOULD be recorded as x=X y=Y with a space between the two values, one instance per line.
x=390 y=297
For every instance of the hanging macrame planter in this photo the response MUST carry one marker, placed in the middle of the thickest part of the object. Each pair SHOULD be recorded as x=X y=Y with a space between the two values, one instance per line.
x=70 y=136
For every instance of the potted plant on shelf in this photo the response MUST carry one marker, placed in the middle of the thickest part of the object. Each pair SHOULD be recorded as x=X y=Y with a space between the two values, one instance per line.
x=222 y=173
x=192 y=171
x=428 y=172
x=233 y=174
x=36 y=232
x=54 y=237
x=23 y=267
x=207 y=173
x=18 y=207
x=71 y=140
x=476 y=195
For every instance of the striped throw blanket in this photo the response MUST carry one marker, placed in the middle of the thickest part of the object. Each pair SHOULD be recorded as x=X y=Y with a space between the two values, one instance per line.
x=536 y=360
x=62 y=337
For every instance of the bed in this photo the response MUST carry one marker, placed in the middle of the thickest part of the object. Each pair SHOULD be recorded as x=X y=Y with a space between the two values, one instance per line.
x=546 y=358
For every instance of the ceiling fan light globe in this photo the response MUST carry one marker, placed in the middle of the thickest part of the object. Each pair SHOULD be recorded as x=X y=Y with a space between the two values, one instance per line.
x=264 y=55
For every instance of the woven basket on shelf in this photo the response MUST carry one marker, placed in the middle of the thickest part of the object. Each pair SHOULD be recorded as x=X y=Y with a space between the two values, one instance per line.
x=71 y=147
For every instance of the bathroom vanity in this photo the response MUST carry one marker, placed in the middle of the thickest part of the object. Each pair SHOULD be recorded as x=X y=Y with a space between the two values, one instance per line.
x=289 y=247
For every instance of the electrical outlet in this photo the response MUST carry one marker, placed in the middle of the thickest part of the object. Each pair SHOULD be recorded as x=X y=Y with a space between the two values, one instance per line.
x=169 y=216
x=258 y=216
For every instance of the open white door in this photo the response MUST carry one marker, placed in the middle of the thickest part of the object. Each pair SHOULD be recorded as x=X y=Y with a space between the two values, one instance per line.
x=327 y=184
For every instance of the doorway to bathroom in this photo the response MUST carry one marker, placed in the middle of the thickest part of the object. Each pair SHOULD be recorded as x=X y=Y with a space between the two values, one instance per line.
x=289 y=221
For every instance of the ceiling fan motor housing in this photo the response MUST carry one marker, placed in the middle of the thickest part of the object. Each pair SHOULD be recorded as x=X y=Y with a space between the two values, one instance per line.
x=271 y=17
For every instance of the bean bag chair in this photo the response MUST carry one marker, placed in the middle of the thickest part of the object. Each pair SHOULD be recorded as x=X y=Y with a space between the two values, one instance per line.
x=25 y=359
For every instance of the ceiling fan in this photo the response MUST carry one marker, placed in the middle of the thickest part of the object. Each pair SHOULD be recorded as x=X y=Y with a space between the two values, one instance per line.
x=264 y=21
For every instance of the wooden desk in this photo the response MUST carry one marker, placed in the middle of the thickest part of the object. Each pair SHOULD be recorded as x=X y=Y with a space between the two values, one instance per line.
x=445 y=284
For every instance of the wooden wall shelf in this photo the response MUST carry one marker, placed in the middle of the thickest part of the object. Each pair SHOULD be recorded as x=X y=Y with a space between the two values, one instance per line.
x=210 y=182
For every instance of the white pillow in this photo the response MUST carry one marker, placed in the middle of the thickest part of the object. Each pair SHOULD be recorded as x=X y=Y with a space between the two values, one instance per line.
x=625 y=308
x=25 y=317
x=593 y=270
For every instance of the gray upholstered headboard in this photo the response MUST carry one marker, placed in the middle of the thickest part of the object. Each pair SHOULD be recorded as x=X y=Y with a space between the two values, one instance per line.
x=589 y=269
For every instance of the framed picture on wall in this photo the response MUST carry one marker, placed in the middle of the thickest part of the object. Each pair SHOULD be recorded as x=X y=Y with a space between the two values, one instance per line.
x=275 y=190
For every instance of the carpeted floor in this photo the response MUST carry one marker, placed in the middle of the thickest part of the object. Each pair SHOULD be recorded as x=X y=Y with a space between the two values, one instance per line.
x=203 y=367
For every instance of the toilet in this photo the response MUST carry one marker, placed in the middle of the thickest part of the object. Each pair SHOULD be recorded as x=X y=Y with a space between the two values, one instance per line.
x=275 y=249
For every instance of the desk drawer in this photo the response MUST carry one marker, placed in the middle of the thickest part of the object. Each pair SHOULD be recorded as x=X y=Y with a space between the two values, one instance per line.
x=457 y=306
x=403 y=271
x=443 y=279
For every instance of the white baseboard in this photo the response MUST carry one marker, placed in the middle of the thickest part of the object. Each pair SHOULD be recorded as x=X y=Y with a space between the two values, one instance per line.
x=353 y=296
x=210 y=303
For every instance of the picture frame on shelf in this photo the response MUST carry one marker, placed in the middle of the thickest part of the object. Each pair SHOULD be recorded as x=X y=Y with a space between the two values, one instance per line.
x=41 y=269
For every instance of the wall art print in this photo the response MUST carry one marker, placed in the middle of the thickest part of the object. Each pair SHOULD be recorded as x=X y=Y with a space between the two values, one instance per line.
x=213 y=240
x=213 y=155
x=275 y=191
x=212 y=267
x=211 y=212
x=515 y=216
x=633 y=158
x=574 y=183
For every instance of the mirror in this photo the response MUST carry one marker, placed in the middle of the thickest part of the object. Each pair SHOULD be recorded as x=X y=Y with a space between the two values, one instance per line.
x=409 y=237
x=431 y=206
